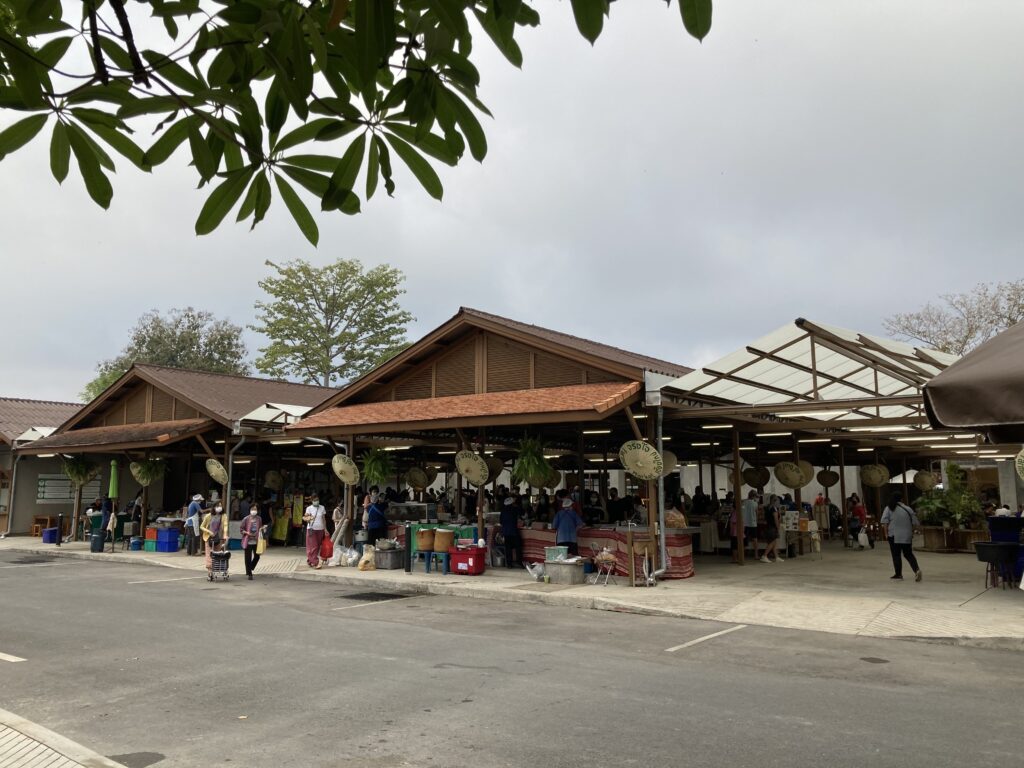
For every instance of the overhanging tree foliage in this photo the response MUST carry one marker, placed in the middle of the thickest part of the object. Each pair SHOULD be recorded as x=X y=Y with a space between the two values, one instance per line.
x=329 y=324
x=185 y=338
x=321 y=96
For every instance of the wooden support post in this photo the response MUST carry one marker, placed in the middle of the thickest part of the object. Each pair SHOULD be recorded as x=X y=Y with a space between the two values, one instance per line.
x=906 y=494
x=737 y=488
x=350 y=500
x=797 y=496
x=842 y=493
x=206 y=447
x=635 y=427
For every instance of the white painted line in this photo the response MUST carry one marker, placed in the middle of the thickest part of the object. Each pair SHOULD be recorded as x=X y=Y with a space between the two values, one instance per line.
x=374 y=602
x=161 y=581
x=7 y=657
x=33 y=565
x=675 y=648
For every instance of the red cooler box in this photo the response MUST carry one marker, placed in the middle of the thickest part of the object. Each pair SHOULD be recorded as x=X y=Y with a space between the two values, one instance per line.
x=469 y=561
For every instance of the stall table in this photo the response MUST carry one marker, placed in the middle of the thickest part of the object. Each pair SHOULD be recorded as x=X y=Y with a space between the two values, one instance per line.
x=678 y=542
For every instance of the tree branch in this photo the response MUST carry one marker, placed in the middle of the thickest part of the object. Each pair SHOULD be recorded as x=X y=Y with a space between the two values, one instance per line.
x=97 y=52
x=139 y=74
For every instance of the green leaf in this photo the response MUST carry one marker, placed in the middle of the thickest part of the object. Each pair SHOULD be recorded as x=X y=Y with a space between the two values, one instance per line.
x=116 y=53
x=54 y=51
x=420 y=168
x=324 y=163
x=263 y=197
x=385 y=165
x=21 y=133
x=316 y=183
x=452 y=15
x=203 y=157
x=431 y=144
x=336 y=130
x=101 y=156
x=173 y=72
x=169 y=141
x=298 y=210
x=248 y=206
x=122 y=145
x=96 y=182
x=696 y=17
x=590 y=17
x=60 y=152
x=97 y=117
x=276 y=109
x=26 y=76
x=372 y=170
x=468 y=123
x=149 y=106
x=344 y=177
x=303 y=133
x=501 y=35
x=222 y=200
x=241 y=13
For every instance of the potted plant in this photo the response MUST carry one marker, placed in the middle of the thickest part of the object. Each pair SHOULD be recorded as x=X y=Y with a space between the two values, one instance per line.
x=530 y=466
x=378 y=468
x=80 y=471
x=935 y=520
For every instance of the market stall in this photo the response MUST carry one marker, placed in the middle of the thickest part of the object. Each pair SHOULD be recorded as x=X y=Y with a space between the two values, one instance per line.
x=678 y=541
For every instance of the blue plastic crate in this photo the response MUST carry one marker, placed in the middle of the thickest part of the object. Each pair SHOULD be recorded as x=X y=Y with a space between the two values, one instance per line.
x=167 y=534
x=49 y=535
x=235 y=544
x=167 y=546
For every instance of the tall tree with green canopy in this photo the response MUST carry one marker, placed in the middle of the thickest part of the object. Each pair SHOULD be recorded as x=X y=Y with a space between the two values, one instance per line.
x=184 y=338
x=321 y=98
x=329 y=324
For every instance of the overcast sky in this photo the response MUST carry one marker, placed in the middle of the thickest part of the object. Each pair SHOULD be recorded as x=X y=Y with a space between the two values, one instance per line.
x=839 y=161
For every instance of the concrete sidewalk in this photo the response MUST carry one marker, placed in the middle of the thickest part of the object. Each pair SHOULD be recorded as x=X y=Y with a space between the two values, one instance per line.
x=23 y=744
x=845 y=592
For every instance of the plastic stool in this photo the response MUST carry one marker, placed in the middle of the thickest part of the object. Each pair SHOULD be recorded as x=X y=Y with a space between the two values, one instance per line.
x=431 y=556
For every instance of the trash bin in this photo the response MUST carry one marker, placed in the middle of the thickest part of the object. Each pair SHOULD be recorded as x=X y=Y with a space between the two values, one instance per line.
x=96 y=542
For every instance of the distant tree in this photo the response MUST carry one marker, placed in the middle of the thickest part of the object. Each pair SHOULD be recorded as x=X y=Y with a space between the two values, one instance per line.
x=963 y=320
x=329 y=324
x=184 y=338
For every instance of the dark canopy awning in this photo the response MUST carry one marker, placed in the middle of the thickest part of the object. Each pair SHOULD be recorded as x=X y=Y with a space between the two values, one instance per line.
x=982 y=391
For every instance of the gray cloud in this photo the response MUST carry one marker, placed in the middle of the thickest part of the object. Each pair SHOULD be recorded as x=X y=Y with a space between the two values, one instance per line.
x=839 y=161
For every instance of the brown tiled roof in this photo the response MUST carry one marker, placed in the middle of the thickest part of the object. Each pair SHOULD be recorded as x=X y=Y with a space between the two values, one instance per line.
x=17 y=415
x=232 y=397
x=596 y=399
x=153 y=433
x=614 y=354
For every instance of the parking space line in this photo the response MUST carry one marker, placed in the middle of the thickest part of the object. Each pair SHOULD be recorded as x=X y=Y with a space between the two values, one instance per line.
x=12 y=659
x=33 y=565
x=675 y=648
x=161 y=581
x=374 y=602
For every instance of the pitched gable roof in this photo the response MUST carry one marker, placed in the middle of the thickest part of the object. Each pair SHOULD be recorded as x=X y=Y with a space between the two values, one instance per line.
x=586 y=346
x=221 y=396
x=628 y=364
x=18 y=415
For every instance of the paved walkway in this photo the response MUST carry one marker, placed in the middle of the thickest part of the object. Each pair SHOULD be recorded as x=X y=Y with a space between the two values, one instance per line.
x=24 y=744
x=845 y=592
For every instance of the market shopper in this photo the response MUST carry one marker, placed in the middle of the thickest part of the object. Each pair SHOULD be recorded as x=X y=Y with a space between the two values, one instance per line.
x=370 y=498
x=192 y=517
x=898 y=524
x=859 y=520
x=251 y=525
x=509 y=520
x=316 y=524
x=749 y=510
x=771 y=528
x=214 y=531
x=566 y=524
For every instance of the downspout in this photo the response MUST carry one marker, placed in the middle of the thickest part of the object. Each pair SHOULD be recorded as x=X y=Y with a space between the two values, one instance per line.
x=662 y=546
x=231 y=468
x=10 y=502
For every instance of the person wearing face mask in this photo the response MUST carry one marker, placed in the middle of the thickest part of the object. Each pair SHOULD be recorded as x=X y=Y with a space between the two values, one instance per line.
x=213 y=529
x=251 y=525
x=316 y=526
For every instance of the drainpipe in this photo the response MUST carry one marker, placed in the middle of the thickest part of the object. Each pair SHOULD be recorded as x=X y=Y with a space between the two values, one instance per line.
x=662 y=546
x=231 y=468
x=10 y=502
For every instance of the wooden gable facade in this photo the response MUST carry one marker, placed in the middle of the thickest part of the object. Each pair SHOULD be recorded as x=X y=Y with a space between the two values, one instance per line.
x=138 y=402
x=482 y=362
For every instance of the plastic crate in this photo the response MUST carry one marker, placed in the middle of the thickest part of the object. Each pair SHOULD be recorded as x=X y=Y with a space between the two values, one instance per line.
x=167 y=534
x=49 y=535
x=553 y=554
x=468 y=562
x=235 y=544
x=149 y=545
x=166 y=546
x=151 y=534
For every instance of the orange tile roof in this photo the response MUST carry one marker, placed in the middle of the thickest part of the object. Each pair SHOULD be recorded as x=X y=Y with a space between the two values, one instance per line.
x=596 y=399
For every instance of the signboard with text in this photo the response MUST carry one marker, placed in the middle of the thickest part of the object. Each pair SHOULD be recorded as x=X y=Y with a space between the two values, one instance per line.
x=58 y=489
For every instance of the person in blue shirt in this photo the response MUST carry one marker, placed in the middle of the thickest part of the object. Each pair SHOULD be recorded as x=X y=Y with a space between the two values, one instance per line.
x=376 y=521
x=192 y=517
x=567 y=523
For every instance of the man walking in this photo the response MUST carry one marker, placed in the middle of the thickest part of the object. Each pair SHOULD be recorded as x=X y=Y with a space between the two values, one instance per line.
x=192 y=517
x=898 y=524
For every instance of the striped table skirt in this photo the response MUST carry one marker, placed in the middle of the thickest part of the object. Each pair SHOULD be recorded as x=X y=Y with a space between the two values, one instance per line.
x=680 y=549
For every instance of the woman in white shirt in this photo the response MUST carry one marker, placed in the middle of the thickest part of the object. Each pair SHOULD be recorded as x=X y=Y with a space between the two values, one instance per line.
x=316 y=524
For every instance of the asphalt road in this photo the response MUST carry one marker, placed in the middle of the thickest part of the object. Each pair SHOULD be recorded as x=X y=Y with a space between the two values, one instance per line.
x=153 y=667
